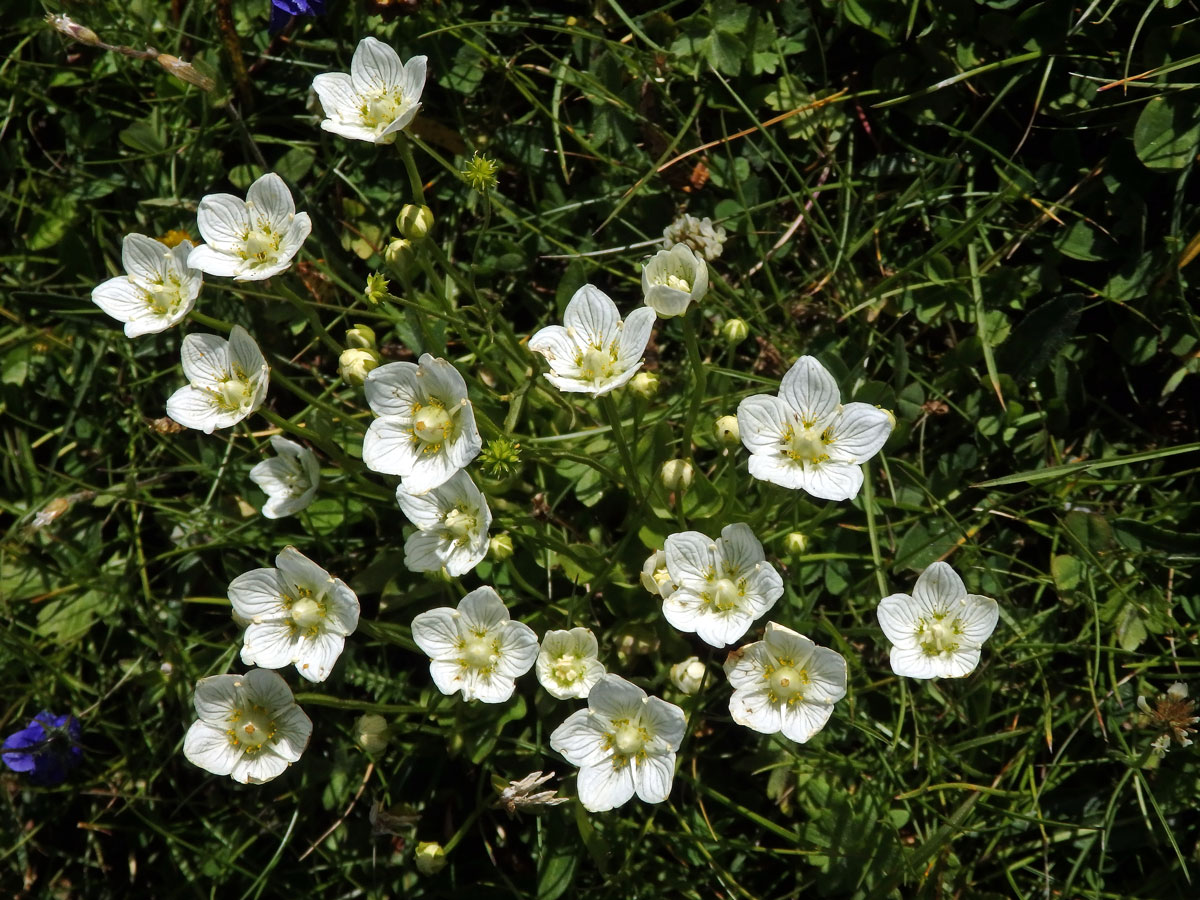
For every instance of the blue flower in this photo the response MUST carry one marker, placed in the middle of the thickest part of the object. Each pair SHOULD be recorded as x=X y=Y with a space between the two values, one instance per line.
x=46 y=749
x=282 y=10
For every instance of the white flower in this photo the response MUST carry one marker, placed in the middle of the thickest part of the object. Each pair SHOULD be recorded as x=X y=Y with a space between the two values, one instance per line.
x=567 y=666
x=687 y=675
x=453 y=519
x=596 y=352
x=249 y=727
x=721 y=586
x=674 y=279
x=476 y=648
x=654 y=575
x=249 y=239
x=938 y=631
x=699 y=234
x=156 y=291
x=298 y=613
x=378 y=99
x=289 y=480
x=785 y=683
x=624 y=743
x=806 y=439
x=228 y=381
x=426 y=427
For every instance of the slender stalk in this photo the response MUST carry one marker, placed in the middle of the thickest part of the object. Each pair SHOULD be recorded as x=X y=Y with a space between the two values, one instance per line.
x=872 y=531
x=699 y=379
x=410 y=166
x=614 y=422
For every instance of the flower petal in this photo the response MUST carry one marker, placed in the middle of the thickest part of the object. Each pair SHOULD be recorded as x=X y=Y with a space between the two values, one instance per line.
x=223 y=221
x=898 y=615
x=518 y=650
x=752 y=707
x=832 y=480
x=257 y=595
x=939 y=589
x=604 y=786
x=213 y=261
x=763 y=423
x=800 y=721
x=652 y=777
x=978 y=618
x=437 y=633
x=581 y=738
x=144 y=258
x=859 y=432
x=335 y=90
x=482 y=610
x=393 y=390
x=593 y=317
x=635 y=334
x=269 y=203
x=810 y=391
x=375 y=67
x=205 y=359
x=689 y=556
x=210 y=748
x=389 y=447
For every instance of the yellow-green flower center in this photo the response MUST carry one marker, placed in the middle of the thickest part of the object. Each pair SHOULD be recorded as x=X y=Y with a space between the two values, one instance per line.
x=233 y=393
x=460 y=523
x=725 y=594
x=939 y=636
x=478 y=652
x=787 y=681
x=307 y=612
x=595 y=364
x=567 y=669
x=381 y=109
x=432 y=424
x=676 y=282
x=629 y=739
x=254 y=727
x=808 y=445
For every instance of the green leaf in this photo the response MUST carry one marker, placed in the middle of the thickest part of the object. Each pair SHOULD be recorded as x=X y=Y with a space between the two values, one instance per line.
x=143 y=137
x=1040 y=336
x=1081 y=468
x=1090 y=529
x=1167 y=133
x=67 y=618
x=1067 y=572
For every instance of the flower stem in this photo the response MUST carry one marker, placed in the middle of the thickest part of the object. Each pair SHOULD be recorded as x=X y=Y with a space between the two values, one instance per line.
x=410 y=166
x=699 y=380
x=614 y=422
x=872 y=531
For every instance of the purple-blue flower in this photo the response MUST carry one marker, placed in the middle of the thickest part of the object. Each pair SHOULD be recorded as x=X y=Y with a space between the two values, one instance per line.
x=46 y=749
x=282 y=10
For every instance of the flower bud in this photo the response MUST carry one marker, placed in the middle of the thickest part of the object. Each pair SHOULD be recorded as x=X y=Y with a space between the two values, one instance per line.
x=371 y=732
x=361 y=336
x=500 y=547
x=688 y=675
x=638 y=640
x=734 y=331
x=355 y=363
x=75 y=31
x=676 y=474
x=430 y=857
x=377 y=288
x=795 y=543
x=654 y=575
x=414 y=221
x=400 y=257
x=727 y=432
x=644 y=384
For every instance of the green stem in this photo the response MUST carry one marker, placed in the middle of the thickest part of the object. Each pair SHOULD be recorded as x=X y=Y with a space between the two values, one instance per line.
x=315 y=402
x=614 y=422
x=311 y=315
x=410 y=166
x=210 y=322
x=872 y=531
x=699 y=380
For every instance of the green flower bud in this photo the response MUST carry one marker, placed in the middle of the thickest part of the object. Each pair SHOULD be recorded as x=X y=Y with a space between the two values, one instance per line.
x=414 y=222
x=481 y=173
x=355 y=363
x=644 y=384
x=726 y=430
x=795 y=543
x=377 y=288
x=734 y=331
x=500 y=547
x=362 y=336
x=430 y=857
x=371 y=732
x=676 y=474
x=400 y=256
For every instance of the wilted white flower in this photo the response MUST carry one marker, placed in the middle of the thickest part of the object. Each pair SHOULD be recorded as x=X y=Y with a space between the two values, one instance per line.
x=595 y=352
x=624 y=743
x=721 y=586
x=250 y=727
x=157 y=290
x=426 y=427
x=378 y=99
x=476 y=648
x=785 y=683
x=699 y=234
x=299 y=615
x=1172 y=716
x=939 y=630
x=654 y=575
x=519 y=795
x=687 y=675
x=567 y=666
x=250 y=239
x=673 y=280
x=227 y=381
x=453 y=519
x=289 y=480
x=805 y=438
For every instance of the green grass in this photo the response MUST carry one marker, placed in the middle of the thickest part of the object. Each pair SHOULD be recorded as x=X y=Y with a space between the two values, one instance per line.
x=979 y=230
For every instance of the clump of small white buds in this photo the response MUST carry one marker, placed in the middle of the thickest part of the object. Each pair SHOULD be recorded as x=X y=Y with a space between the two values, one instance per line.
x=699 y=234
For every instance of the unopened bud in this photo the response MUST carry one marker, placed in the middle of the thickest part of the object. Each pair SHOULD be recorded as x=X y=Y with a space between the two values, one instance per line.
x=734 y=331
x=795 y=543
x=371 y=732
x=654 y=576
x=688 y=675
x=362 y=336
x=400 y=256
x=355 y=363
x=75 y=31
x=414 y=221
x=430 y=857
x=676 y=474
x=185 y=71
x=500 y=547
x=727 y=432
x=644 y=384
x=377 y=288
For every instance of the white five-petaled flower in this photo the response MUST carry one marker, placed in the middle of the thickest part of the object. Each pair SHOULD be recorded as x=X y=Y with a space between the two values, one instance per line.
x=249 y=727
x=227 y=381
x=453 y=519
x=289 y=480
x=805 y=438
x=378 y=99
x=426 y=427
x=624 y=744
x=595 y=352
x=674 y=279
x=567 y=666
x=299 y=615
x=938 y=631
x=721 y=586
x=250 y=239
x=785 y=683
x=476 y=648
x=156 y=291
